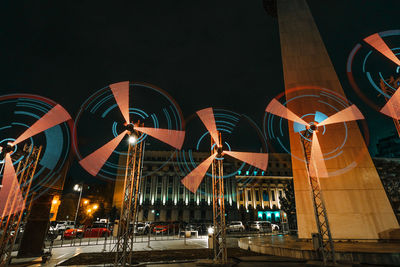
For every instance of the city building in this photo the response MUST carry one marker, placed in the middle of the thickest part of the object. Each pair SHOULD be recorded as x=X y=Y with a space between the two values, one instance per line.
x=164 y=198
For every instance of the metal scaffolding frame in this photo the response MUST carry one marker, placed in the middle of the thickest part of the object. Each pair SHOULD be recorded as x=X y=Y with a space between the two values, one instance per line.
x=128 y=216
x=10 y=221
x=219 y=236
x=325 y=242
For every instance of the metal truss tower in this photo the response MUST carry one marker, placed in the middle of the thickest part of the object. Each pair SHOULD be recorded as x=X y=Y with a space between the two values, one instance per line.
x=219 y=236
x=128 y=216
x=325 y=246
x=10 y=220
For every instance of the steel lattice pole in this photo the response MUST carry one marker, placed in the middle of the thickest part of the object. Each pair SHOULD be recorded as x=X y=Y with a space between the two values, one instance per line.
x=326 y=247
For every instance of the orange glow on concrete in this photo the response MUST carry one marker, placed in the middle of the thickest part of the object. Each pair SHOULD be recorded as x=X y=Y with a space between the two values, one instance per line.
x=317 y=163
x=207 y=117
x=194 y=178
x=121 y=94
x=377 y=42
x=258 y=160
x=171 y=137
x=280 y=110
x=10 y=187
x=55 y=116
x=351 y=113
x=93 y=162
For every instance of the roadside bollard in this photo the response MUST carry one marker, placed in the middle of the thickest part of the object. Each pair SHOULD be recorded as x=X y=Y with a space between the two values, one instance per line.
x=105 y=243
x=148 y=238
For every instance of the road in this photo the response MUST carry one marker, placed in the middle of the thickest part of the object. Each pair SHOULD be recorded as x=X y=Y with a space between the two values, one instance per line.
x=68 y=250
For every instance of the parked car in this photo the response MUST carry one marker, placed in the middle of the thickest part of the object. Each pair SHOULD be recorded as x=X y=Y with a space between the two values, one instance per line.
x=73 y=233
x=165 y=227
x=261 y=226
x=142 y=228
x=58 y=227
x=235 y=226
x=275 y=227
x=96 y=230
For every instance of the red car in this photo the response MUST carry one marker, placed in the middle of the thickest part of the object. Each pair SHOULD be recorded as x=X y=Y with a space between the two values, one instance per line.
x=96 y=230
x=165 y=227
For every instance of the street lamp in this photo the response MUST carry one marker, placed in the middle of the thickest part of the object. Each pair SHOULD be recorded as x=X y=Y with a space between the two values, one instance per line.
x=78 y=188
x=95 y=206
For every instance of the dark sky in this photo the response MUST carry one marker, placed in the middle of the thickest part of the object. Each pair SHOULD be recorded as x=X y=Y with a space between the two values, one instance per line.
x=223 y=53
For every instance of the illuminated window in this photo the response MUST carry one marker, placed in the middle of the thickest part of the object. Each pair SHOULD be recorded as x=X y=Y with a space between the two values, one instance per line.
x=265 y=195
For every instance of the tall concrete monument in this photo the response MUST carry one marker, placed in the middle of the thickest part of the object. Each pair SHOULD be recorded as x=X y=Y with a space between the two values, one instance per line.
x=355 y=199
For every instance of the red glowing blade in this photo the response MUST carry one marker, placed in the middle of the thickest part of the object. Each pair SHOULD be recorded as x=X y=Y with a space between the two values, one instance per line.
x=317 y=165
x=207 y=117
x=258 y=160
x=280 y=110
x=377 y=42
x=11 y=199
x=392 y=107
x=171 y=137
x=93 y=163
x=55 y=116
x=351 y=113
x=121 y=95
x=194 y=178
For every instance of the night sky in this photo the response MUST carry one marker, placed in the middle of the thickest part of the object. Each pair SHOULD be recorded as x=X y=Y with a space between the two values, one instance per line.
x=224 y=54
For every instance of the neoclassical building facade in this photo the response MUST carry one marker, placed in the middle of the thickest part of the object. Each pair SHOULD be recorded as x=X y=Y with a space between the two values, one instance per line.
x=164 y=198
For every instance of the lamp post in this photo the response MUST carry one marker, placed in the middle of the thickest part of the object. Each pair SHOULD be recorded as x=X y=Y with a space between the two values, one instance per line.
x=78 y=187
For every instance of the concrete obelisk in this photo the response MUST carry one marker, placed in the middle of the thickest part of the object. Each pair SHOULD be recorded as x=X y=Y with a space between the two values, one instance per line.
x=356 y=202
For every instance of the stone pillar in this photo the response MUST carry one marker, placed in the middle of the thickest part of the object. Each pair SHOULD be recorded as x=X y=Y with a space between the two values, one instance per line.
x=35 y=231
x=356 y=202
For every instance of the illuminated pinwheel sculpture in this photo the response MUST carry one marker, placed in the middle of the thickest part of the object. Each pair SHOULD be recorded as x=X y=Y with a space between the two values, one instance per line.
x=135 y=131
x=376 y=65
x=10 y=184
x=194 y=178
x=94 y=162
x=392 y=107
x=315 y=161
x=14 y=192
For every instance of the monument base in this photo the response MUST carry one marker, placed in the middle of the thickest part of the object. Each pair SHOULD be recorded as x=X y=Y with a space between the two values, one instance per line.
x=380 y=253
x=390 y=234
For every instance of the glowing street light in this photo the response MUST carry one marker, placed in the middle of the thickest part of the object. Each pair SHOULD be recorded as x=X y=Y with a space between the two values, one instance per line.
x=85 y=201
x=78 y=188
x=132 y=139
x=95 y=206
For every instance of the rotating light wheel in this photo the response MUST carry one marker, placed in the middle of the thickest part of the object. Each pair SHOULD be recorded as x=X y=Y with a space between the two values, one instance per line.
x=114 y=115
x=224 y=128
x=33 y=121
x=238 y=131
x=311 y=125
x=374 y=66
